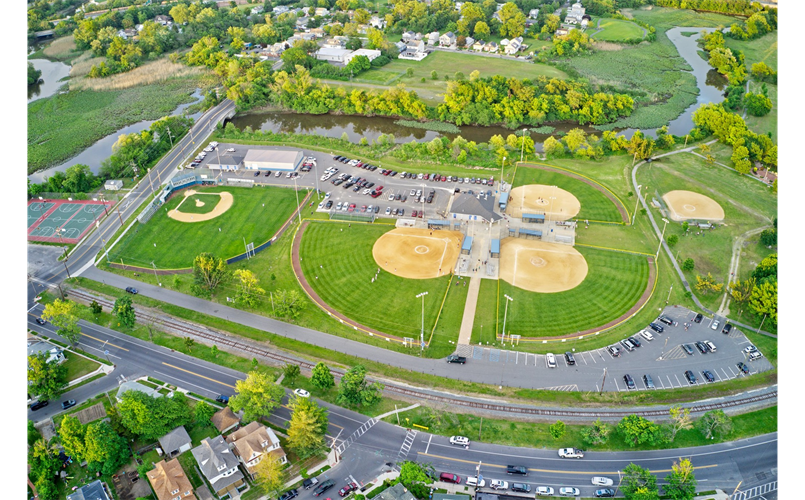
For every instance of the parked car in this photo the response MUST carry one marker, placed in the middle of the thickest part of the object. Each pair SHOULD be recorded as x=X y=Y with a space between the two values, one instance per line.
x=634 y=341
x=687 y=348
x=455 y=358
x=715 y=325
x=690 y=376
x=664 y=319
x=550 y=360
x=131 y=290
x=311 y=481
x=39 y=405
x=646 y=335
x=448 y=477
x=571 y=453
x=627 y=344
x=516 y=469
x=657 y=328
x=346 y=490
x=602 y=481
x=544 y=491
x=709 y=375
x=629 y=381
x=710 y=346
x=614 y=351
x=326 y=485
x=605 y=493
x=288 y=495
x=459 y=440
x=727 y=328
x=701 y=347
x=569 y=358
x=750 y=349
x=698 y=318
x=473 y=481
x=222 y=399
x=567 y=491
x=743 y=367
x=68 y=404
x=498 y=484
x=301 y=393
x=755 y=356
x=521 y=487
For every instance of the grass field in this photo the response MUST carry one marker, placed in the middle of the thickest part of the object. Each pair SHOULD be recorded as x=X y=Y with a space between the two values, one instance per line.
x=615 y=30
x=765 y=124
x=178 y=243
x=189 y=205
x=613 y=284
x=594 y=205
x=345 y=280
x=78 y=366
x=763 y=49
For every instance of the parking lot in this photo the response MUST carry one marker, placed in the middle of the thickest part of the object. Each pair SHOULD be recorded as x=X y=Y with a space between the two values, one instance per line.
x=392 y=185
x=663 y=359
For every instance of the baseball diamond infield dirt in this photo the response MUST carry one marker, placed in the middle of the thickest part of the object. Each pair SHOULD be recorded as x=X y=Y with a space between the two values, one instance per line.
x=224 y=204
x=541 y=199
x=542 y=267
x=687 y=205
x=418 y=253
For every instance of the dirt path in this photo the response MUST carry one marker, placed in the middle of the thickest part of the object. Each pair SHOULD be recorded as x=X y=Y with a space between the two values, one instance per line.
x=724 y=309
x=465 y=333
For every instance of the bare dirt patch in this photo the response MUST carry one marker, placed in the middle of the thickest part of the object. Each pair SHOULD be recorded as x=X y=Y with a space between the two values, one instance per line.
x=541 y=199
x=224 y=204
x=687 y=205
x=607 y=46
x=418 y=253
x=542 y=267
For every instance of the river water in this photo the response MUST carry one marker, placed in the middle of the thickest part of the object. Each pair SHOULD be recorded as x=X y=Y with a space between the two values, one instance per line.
x=52 y=74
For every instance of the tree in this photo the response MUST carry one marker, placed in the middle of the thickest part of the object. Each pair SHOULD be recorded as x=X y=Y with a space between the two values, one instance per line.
x=596 y=435
x=209 y=271
x=639 y=483
x=288 y=303
x=249 y=290
x=321 y=377
x=202 y=413
x=43 y=461
x=354 y=390
x=409 y=72
x=214 y=351
x=46 y=380
x=552 y=147
x=764 y=300
x=307 y=427
x=33 y=433
x=768 y=237
x=552 y=23
x=270 y=474
x=740 y=158
x=707 y=284
x=557 y=429
x=377 y=39
x=481 y=30
x=686 y=224
x=638 y=430
x=741 y=291
x=257 y=396
x=512 y=20
x=71 y=435
x=434 y=75
x=95 y=308
x=680 y=419
x=411 y=473
x=757 y=104
x=124 y=310
x=291 y=372
x=104 y=450
x=681 y=481
x=688 y=265
x=151 y=418
x=189 y=342
x=714 y=422
x=34 y=74
x=62 y=313
x=672 y=240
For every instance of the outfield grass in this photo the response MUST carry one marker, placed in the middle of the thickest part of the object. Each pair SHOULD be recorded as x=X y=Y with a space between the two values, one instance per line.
x=594 y=204
x=615 y=30
x=345 y=280
x=614 y=283
x=189 y=206
x=256 y=215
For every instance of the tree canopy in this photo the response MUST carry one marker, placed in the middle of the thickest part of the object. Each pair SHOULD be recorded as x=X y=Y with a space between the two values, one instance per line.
x=257 y=396
x=150 y=417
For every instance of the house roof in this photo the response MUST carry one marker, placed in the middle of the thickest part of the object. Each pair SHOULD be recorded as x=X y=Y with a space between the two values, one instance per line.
x=224 y=419
x=133 y=385
x=396 y=492
x=333 y=51
x=174 y=440
x=468 y=204
x=42 y=346
x=91 y=491
x=212 y=454
x=168 y=477
x=248 y=441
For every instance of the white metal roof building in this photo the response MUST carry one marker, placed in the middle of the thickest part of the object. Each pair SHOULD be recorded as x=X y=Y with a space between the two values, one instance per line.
x=371 y=54
x=286 y=160
x=332 y=54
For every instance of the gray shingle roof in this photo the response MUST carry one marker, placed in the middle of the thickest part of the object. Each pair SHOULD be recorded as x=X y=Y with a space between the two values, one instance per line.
x=174 y=440
x=470 y=205
x=213 y=453
x=91 y=491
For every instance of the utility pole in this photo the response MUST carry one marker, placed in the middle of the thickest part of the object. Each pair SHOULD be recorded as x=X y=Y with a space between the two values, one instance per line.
x=150 y=182
x=170 y=136
x=636 y=203
x=155 y=273
x=601 y=390
x=661 y=238
x=422 y=331
x=501 y=168
x=761 y=323
x=118 y=215
x=522 y=145
x=296 y=190
x=505 y=313
x=669 y=295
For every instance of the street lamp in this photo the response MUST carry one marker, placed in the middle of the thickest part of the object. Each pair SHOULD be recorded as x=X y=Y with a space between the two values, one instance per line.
x=501 y=169
x=669 y=295
x=296 y=190
x=422 y=331
x=661 y=238
x=636 y=203
x=505 y=313
x=522 y=145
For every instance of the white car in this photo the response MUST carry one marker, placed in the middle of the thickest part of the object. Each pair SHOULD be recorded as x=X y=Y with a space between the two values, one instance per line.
x=301 y=393
x=459 y=440
x=602 y=481
x=710 y=345
x=646 y=335
x=420 y=176
x=366 y=191
x=567 y=491
x=412 y=193
x=499 y=484
x=230 y=150
x=391 y=196
x=714 y=326
x=571 y=453
x=338 y=206
x=388 y=210
x=473 y=481
x=750 y=349
x=544 y=491
x=550 y=360
x=279 y=173
x=321 y=205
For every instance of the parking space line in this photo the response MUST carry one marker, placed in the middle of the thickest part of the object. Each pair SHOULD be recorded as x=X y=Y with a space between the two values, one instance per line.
x=669 y=381
x=582 y=358
x=661 y=382
x=677 y=380
x=563 y=360
x=717 y=375
x=733 y=373
x=727 y=377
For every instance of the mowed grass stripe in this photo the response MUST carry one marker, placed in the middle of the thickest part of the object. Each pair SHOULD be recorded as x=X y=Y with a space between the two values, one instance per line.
x=341 y=257
x=594 y=204
x=256 y=215
x=614 y=283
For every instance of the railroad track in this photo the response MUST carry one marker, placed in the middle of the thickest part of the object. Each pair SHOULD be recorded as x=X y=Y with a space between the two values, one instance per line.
x=223 y=339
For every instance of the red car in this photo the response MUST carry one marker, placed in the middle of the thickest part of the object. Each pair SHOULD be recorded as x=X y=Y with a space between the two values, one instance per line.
x=379 y=188
x=421 y=213
x=413 y=214
x=363 y=208
x=359 y=165
x=351 y=207
x=346 y=490
x=375 y=194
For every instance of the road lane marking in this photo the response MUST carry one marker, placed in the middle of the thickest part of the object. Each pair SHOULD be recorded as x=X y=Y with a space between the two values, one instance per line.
x=198 y=375
x=104 y=342
x=428 y=446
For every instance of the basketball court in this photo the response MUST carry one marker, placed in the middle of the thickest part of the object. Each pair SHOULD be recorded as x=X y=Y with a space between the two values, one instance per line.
x=554 y=202
x=541 y=267
x=63 y=221
x=418 y=253
x=687 y=205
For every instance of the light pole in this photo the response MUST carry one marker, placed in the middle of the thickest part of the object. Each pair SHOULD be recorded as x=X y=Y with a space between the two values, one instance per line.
x=155 y=273
x=522 y=145
x=669 y=295
x=296 y=190
x=170 y=136
x=505 y=313
x=663 y=348
x=501 y=169
x=637 y=201
x=661 y=238
x=422 y=331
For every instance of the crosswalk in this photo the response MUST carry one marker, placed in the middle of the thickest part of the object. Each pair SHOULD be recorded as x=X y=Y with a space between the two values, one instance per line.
x=755 y=492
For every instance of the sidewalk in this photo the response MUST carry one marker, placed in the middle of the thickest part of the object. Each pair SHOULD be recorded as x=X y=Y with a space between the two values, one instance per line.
x=465 y=333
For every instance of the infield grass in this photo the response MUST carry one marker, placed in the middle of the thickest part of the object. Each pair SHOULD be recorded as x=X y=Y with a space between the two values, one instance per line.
x=615 y=30
x=178 y=243
x=189 y=206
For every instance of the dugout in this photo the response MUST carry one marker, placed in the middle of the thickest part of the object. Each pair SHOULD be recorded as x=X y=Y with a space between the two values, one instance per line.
x=438 y=224
x=504 y=200
x=536 y=233
x=466 y=246
x=534 y=218
x=494 y=249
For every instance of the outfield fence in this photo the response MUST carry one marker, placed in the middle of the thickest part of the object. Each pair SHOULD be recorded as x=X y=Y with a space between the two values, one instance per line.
x=352 y=217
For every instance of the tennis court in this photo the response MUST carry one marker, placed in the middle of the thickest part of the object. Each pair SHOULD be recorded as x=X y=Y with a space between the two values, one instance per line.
x=72 y=219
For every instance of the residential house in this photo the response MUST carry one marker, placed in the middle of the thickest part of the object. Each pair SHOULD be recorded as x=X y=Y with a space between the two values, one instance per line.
x=95 y=490
x=408 y=36
x=469 y=41
x=138 y=27
x=317 y=32
x=433 y=38
x=584 y=22
x=396 y=492
x=499 y=6
x=418 y=37
x=371 y=54
x=170 y=482
x=301 y=23
x=533 y=13
x=225 y=420
x=280 y=9
x=575 y=14
x=257 y=10
x=562 y=32
x=163 y=20
x=253 y=443
x=491 y=47
x=377 y=22
x=478 y=45
x=334 y=42
x=127 y=33
x=447 y=40
x=113 y=185
x=514 y=46
x=415 y=52
x=307 y=36
x=322 y=12
x=175 y=442
x=504 y=42
x=133 y=385
x=401 y=46
x=459 y=5
x=219 y=465
x=332 y=54
x=496 y=15
x=55 y=354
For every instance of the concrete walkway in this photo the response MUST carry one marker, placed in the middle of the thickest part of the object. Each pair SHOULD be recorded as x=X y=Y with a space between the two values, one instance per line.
x=465 y=334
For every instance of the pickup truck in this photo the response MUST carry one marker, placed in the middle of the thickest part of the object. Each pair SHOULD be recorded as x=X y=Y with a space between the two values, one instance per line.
x=516 y=469
x=455 y=358
x=571 y=453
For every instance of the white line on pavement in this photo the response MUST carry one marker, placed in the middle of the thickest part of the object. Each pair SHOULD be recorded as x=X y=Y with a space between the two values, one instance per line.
x=428 y=446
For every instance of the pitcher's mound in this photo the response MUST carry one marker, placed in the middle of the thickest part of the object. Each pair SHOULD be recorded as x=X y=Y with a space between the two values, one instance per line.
x=541 y=267
x=554 y=202
x=686 y=205
x=418 y=253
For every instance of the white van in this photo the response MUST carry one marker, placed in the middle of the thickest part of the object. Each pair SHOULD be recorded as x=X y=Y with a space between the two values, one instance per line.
x=646 y=335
